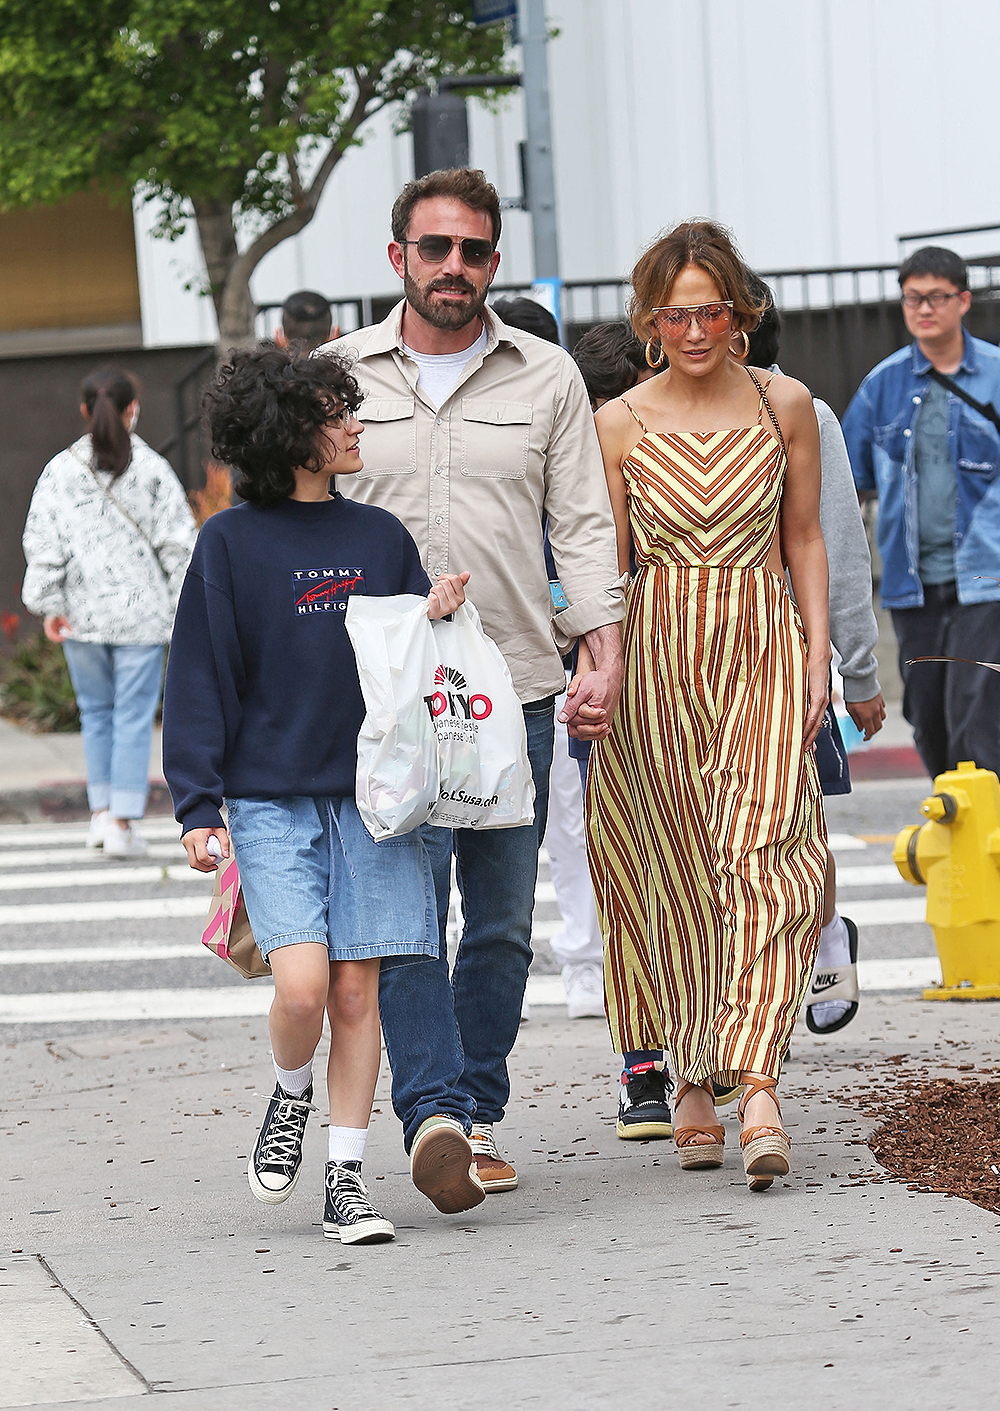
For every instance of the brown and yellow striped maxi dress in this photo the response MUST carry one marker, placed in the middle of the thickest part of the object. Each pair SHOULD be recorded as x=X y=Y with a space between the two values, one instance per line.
x=704 y=815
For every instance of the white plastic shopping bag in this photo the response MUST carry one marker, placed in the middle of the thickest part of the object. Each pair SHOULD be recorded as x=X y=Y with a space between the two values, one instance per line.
x=443 y=739
x=485 y=777
x=398 y=780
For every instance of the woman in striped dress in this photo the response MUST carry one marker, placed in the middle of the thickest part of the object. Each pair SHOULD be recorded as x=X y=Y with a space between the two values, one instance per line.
x=705 y=821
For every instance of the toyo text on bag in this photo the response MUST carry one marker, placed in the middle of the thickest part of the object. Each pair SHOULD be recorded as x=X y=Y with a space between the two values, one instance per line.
x=443 y=740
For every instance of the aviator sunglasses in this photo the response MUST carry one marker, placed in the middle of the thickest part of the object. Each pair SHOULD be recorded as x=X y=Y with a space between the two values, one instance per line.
x=435 y=249
x=673 y=320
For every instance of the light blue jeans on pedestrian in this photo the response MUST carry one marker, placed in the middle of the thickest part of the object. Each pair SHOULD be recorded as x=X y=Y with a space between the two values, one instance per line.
x=117 y=690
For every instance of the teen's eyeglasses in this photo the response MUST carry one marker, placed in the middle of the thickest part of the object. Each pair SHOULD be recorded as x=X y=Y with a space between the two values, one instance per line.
x=435 y=249
x=674 y=320
x=937 y=300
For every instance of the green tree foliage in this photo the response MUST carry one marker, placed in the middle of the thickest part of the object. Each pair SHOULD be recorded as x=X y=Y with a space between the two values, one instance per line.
x=237 y=110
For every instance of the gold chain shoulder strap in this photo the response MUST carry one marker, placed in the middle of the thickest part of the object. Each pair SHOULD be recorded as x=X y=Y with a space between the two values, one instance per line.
x=765 y=403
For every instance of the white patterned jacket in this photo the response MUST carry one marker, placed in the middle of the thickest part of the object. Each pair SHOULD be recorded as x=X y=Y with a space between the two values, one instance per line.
x=87 y=563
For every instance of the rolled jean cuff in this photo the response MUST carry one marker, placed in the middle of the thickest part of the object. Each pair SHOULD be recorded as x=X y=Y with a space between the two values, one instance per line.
x=123 y=803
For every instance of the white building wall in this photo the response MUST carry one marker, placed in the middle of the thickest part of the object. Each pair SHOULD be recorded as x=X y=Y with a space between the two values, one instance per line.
x=818 y=129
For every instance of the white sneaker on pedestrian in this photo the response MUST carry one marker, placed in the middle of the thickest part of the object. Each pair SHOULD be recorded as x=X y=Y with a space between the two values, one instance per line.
x=124 y=842
x=98 y=827
x=584 y=986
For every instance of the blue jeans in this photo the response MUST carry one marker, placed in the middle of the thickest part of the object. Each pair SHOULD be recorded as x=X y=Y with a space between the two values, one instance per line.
x=448 y=1037
x=117 y=690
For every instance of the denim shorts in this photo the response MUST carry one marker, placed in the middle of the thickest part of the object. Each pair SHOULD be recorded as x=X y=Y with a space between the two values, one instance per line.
x=311 y=871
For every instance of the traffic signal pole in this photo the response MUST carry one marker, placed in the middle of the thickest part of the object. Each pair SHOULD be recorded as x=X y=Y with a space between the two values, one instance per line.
x=541 y=191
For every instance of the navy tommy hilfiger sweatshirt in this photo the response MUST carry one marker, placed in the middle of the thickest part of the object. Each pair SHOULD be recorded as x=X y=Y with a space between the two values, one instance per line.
x=262 y=698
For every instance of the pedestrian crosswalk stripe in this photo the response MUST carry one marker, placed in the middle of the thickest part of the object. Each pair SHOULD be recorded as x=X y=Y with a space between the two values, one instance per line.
x=886 y=911
x=95 y=955
x=51 y=857
x=107 y=877
x=52 y=913
x=17 y=835
x=252 y=1001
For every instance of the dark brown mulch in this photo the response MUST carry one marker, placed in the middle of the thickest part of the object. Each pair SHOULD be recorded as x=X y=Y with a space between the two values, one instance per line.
x=942 y=1136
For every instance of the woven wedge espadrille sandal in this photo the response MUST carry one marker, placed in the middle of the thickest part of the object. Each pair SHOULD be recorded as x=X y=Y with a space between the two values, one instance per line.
x=767 y=1147
x=694 y=1155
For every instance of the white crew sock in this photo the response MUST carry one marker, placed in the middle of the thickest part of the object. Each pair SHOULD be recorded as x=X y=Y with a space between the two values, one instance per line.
x=347 y=1143
x=293 y=1080
x=834 y=951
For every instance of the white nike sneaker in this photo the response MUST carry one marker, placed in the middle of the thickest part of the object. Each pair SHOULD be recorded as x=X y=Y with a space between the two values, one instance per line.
x=124 y=842
x=98 y=827
x=584 y=986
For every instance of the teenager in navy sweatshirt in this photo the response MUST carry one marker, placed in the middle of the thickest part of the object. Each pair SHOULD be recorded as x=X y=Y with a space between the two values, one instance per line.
x=262 y=710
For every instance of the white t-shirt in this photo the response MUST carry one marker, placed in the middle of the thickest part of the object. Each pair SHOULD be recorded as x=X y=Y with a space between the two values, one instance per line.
x=440 y=371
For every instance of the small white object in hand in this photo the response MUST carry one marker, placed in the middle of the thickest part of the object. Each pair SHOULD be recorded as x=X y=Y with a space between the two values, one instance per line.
x=213 y=847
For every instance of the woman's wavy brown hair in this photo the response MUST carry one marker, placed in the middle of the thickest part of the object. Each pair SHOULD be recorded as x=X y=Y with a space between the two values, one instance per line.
x=711 y=247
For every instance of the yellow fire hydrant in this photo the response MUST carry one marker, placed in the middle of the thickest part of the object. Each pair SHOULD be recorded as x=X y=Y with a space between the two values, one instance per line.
x=957 y=854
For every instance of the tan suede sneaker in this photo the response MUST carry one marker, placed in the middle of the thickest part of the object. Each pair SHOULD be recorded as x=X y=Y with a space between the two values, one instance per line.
x=493 y=1169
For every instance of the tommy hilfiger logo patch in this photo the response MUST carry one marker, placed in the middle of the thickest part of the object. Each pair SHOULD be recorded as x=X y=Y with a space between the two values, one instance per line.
x=325 y=589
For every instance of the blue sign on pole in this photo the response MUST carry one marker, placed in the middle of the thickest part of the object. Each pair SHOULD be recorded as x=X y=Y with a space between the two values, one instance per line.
x=490 y=11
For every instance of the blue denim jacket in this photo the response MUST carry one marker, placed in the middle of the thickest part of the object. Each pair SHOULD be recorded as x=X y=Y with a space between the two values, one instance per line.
x=879 y=429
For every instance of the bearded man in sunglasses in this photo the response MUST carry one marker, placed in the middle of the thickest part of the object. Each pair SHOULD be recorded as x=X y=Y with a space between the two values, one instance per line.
x=476 y=433
x=923 y=434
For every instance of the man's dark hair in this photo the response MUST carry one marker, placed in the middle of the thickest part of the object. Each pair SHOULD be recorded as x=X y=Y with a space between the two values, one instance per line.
x=610 y=357
x=934 y=259
x=265 y=410
x=529 y=316
x=307 y=319
x=464 y=184
x=766 y=336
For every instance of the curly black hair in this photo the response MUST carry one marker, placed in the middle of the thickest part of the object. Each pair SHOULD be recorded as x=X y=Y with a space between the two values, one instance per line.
x=264 y=411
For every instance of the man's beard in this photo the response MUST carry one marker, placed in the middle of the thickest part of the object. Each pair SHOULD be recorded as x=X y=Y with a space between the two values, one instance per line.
x=445 y=315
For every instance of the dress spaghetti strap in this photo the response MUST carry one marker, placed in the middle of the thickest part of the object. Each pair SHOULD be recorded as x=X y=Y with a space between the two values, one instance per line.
x=762 y=389
x=635 y=418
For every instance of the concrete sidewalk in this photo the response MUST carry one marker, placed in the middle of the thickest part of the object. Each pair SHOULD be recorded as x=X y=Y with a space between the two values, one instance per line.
x=139 y=1264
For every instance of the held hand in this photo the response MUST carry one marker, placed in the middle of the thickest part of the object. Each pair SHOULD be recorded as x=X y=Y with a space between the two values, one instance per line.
x=195 y=843
x=818 y=682
x=447 y=594
x=56 y=628
x=591 y=699
x=868 y=716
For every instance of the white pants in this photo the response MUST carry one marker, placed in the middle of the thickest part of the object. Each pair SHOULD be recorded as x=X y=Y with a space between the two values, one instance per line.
x=580 y=939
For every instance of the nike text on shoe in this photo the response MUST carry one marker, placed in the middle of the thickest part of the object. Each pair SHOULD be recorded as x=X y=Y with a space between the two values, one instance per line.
x=493 y=1169
x=348 y=1214
x=442 y=1166
x=277 y=1153
x=643 y=1110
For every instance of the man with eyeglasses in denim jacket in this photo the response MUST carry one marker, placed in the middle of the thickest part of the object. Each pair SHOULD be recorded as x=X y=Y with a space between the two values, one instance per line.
x=933 y=460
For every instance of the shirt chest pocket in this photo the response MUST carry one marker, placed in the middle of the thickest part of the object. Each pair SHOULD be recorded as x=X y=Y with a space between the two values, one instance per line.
x=389 y=446
x=495 y=438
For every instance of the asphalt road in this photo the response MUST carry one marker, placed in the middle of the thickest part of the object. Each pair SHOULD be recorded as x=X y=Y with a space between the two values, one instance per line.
x=75 y=923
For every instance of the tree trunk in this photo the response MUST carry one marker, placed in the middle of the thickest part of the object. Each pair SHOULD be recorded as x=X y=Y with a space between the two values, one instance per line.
x=229 y=279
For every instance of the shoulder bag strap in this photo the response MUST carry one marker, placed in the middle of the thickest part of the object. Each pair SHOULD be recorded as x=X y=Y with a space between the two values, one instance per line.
x=986 y=409
x=106 y=491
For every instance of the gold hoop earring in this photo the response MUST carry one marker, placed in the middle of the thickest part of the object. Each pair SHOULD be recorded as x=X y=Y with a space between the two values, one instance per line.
x=656 y=362
x=746 y=347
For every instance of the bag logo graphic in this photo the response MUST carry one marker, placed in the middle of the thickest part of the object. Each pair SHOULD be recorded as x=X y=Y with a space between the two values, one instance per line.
x=457 y=703
x=325 y=589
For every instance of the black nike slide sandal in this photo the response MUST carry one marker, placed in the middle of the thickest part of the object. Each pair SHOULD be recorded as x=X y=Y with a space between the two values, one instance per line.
x=840 y=983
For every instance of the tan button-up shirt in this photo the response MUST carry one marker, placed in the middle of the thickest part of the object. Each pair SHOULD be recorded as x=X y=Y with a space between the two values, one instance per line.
x=474 y=480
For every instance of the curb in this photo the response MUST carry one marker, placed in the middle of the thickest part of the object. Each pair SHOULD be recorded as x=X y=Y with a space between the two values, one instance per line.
x=886 y=762
x=66 y=802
